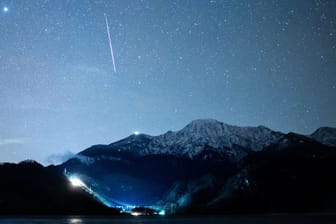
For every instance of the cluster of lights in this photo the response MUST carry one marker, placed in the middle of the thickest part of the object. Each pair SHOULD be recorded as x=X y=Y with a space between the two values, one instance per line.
x=136 y=213
x=75 y=220
x=77 y=182
x=162 y=212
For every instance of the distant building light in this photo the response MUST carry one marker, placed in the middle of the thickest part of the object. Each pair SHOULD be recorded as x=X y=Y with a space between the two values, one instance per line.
x=135 y=213
x=162 y=212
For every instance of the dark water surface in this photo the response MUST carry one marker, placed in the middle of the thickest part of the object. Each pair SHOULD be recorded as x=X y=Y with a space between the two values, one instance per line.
x=248 y=219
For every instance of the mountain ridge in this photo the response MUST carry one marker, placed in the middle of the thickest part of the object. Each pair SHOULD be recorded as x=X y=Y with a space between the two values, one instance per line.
x=191 y=140
x=206 y=167
x=325 y=135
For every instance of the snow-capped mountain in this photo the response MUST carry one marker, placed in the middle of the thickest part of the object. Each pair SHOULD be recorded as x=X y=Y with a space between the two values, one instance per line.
x=199 y=133
x=205 y=138
x=194 y=139
x=208 y=163
x=325 y=135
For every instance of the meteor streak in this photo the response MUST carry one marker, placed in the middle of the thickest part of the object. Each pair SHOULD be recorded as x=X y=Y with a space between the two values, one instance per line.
x=110 y=42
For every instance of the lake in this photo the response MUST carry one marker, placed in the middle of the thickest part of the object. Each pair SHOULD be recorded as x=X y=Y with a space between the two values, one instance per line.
x=248 y=219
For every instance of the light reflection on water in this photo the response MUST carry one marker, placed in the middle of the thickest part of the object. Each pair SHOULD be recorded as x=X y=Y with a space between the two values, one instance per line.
x=75 y=220
x=257 y=219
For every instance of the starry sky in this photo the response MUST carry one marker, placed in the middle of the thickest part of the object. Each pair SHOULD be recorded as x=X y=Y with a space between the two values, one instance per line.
x=247 y=63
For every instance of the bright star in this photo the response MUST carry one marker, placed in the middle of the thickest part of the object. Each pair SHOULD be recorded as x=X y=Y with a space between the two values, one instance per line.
x=5 y=9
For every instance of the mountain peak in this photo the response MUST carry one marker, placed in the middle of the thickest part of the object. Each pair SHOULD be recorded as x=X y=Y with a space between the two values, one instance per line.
x=325 y=130
x=205 y=127
x=208 y=121
x=325 y=135
x=196 y=137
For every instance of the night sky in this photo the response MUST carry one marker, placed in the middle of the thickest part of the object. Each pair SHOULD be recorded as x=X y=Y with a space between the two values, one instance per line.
x=247 y=63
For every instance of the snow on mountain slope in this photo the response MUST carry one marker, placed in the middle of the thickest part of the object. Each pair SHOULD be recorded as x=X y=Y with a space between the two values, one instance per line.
x=192 y=139
x=325 y=135
x=197 y=136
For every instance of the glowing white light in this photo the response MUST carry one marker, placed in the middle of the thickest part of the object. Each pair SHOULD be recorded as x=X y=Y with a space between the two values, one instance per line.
x=135 y=213
x=75 y=220
x=76 y=182
x=162 y=212
x=5 y=9
x=136 y=133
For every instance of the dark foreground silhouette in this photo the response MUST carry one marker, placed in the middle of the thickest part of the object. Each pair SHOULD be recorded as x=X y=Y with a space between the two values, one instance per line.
x=29 y=188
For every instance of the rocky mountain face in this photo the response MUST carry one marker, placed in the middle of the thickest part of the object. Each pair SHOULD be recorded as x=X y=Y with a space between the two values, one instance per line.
x=192 y=140
x=325 y=135
x=210 y=166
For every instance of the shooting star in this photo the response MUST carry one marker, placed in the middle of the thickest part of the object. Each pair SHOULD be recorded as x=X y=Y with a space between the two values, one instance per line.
x=110 y=42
